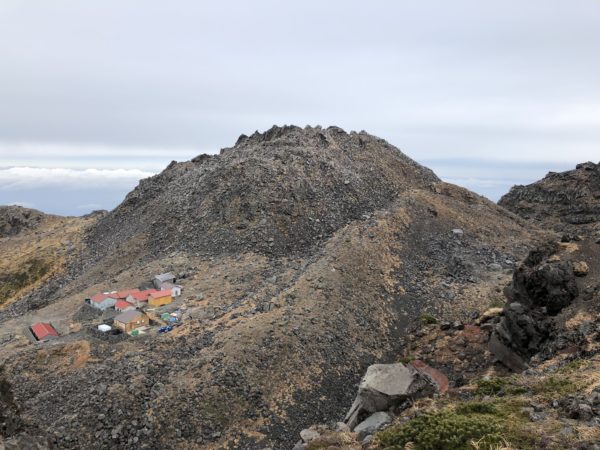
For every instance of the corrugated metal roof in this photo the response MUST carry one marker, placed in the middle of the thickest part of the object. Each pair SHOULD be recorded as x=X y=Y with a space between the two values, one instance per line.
x=161 y=294
x=125 y=293
x=43 y=330
x=128 y=316
x=143 y=295
x=98 y=298
x=165 y=277
x=122 y=304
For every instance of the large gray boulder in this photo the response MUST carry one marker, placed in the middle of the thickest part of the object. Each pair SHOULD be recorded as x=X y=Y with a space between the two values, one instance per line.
x=385 y=386
x=372 y=424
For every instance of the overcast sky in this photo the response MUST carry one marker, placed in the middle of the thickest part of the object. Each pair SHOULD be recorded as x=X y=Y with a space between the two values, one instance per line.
x=95 y=95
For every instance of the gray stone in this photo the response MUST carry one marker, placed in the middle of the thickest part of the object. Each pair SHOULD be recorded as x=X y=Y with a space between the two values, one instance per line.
x=584 y=412
x=495 y=267
x=384 y=386
x=457 y=232
x=372 y=424
x=505 y=355
x=367 y=440
x=308 y=435
x=299 y=446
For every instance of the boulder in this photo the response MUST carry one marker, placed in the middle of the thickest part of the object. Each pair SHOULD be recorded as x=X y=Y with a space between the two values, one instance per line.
x=520 y=329
x=541 y=287
x=550 y=285
x=300 y=446
x=580 y=268
x=385 y=386
x=372 y=424
x=437 y=378
x=308 y=435
x=505 y=355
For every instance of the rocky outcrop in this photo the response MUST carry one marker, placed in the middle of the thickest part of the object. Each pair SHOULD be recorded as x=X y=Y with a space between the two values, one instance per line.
x=566 y=201
x=15 y=219
x=541 y=288
x=543 y=282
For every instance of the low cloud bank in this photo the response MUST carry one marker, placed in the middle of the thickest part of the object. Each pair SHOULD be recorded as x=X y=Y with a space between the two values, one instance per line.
x=21 y=178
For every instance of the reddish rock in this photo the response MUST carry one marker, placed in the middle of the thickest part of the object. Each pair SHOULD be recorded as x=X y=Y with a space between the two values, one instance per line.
x=440 y=380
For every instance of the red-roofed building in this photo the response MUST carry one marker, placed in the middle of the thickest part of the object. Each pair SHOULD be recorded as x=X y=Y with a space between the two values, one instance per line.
x=103 y=301
x=122 y=295
x=43 y=331
x=123 y=306
x=140 y=298
x=160 y=298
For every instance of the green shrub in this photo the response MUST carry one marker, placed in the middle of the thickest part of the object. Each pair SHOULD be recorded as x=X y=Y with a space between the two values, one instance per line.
x=494 y=386
x=490 y=386
x=428 y=319
x=445 y=430
x=476 y=408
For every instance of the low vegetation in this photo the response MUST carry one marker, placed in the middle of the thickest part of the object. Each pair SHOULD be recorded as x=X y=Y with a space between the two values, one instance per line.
x=467 y=425
x=495 y=417
x=499 y=386
x=428 y=319
x=444 y=430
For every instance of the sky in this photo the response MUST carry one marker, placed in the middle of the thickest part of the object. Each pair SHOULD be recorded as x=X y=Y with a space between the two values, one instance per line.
x=96 y=95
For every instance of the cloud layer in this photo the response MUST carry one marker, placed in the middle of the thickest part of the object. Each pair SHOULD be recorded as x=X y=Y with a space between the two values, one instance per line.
x=23 y=178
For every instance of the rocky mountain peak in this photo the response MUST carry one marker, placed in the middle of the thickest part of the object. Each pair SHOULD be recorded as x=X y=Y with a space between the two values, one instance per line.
x=284 y=190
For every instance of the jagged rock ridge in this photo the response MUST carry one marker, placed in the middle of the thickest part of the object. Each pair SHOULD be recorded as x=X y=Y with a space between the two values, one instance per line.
x=281 y=191
x=561 y=201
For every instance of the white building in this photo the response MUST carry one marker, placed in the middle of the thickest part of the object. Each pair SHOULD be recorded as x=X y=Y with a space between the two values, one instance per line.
x=103 y=301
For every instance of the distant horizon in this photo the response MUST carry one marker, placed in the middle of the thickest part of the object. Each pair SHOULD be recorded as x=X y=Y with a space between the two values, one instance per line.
x=92 y=189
